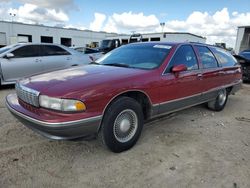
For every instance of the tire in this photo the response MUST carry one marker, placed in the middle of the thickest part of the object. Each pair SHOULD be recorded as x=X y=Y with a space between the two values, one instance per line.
x=220 y=102
x=122 y=124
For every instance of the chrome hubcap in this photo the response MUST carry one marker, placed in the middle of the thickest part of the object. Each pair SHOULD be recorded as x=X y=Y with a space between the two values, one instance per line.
x=222 y=97
x=125 y=125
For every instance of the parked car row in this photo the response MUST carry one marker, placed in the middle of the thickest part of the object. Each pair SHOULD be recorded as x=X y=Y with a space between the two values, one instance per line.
x=21 y=60
x=128 y=86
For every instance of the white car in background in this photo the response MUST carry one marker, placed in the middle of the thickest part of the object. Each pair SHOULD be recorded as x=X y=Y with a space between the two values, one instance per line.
x=21 y=60
x=92 y=53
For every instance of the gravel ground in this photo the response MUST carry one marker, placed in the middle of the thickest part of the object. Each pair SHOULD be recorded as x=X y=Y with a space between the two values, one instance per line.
x=192 y=148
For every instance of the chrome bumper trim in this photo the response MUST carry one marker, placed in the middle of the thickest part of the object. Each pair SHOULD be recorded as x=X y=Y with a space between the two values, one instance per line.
x=60 y=130
x=47 y=124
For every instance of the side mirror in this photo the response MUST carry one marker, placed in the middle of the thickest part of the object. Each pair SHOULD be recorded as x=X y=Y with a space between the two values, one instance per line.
x=9 y=55
x=179 y=68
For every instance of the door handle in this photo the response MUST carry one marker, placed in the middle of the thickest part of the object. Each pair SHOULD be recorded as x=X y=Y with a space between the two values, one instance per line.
x=199 y=76
x=68 y=58
x=37 y=60
x=221 y=72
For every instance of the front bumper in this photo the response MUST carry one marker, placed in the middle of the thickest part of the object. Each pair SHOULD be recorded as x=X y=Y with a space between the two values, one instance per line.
x=58 y=131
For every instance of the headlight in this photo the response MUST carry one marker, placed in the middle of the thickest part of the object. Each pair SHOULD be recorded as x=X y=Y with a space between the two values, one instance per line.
x=67 y=105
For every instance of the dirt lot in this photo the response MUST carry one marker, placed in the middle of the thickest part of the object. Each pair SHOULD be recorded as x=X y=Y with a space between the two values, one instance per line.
x=192 y=148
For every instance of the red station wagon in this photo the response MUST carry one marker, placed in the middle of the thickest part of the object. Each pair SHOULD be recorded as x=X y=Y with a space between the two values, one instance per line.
x=114 y=96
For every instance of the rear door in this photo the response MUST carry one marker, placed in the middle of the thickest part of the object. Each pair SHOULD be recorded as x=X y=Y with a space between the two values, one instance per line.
x=184 y=89
x=26 y=61
x=54 y=57
x=212 y=74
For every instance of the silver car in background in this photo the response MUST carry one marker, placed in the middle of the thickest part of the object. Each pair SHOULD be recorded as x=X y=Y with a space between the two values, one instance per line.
x=92 y=53
x=21 y=60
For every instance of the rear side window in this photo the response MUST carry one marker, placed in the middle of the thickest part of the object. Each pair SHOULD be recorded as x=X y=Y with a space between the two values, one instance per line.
x=90 y=51
x=184 y=55
x=224 y=58
x=207 y=58
x=26 y=51
x=50 y=50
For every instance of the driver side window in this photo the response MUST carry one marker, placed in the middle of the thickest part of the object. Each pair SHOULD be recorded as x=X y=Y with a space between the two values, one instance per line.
x=27 y=51
x=184 y=55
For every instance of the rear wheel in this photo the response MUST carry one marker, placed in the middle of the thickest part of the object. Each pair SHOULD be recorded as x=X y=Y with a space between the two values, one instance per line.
x=122 y=124
x=220 y=102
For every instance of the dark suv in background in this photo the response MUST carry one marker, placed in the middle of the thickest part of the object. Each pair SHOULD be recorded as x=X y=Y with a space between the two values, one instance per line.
x=244 y=59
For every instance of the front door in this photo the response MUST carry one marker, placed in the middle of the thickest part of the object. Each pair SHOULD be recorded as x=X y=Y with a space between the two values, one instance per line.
x=184 y=89
x=26 y=62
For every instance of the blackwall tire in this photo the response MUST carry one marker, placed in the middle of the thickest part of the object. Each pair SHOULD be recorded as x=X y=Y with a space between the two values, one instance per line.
x=220 y=102
x=122 y=124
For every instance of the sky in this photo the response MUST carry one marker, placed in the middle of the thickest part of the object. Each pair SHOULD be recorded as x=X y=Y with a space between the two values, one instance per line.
x=215 y=20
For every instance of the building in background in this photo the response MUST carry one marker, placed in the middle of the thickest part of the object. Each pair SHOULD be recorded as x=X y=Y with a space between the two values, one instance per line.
x=14 y=32
x=243 y=39
x=163 y=37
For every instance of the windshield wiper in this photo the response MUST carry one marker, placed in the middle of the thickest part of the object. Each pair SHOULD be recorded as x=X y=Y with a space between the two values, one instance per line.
x=117 y=65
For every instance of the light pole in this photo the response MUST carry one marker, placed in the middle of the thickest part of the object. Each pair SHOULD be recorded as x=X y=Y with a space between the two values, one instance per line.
x=162 y=24
x=12 y=28
x=12 y=16
x=133 y=32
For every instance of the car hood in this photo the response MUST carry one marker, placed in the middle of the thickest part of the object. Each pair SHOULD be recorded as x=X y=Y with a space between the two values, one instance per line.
x=242 y=59
x=69 y=82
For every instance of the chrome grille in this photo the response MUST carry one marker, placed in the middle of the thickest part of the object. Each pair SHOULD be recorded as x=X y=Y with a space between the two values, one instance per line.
x=27 y=95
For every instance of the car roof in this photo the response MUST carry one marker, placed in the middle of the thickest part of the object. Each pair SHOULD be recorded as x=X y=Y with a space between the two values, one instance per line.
x=31 y=43
x=153 y=43
x=170 y=43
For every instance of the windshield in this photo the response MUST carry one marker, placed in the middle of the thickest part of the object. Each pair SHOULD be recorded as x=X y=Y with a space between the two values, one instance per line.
x=142 y=56
x=6 y=48
x=105 y=43
x=80 y=49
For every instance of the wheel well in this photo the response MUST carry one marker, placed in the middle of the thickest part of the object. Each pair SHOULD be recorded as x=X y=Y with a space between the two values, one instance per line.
x=229 y=89
x=141 y=98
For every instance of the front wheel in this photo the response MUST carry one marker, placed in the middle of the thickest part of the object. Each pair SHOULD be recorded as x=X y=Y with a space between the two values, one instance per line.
x=220 y=102
x=122 y=124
